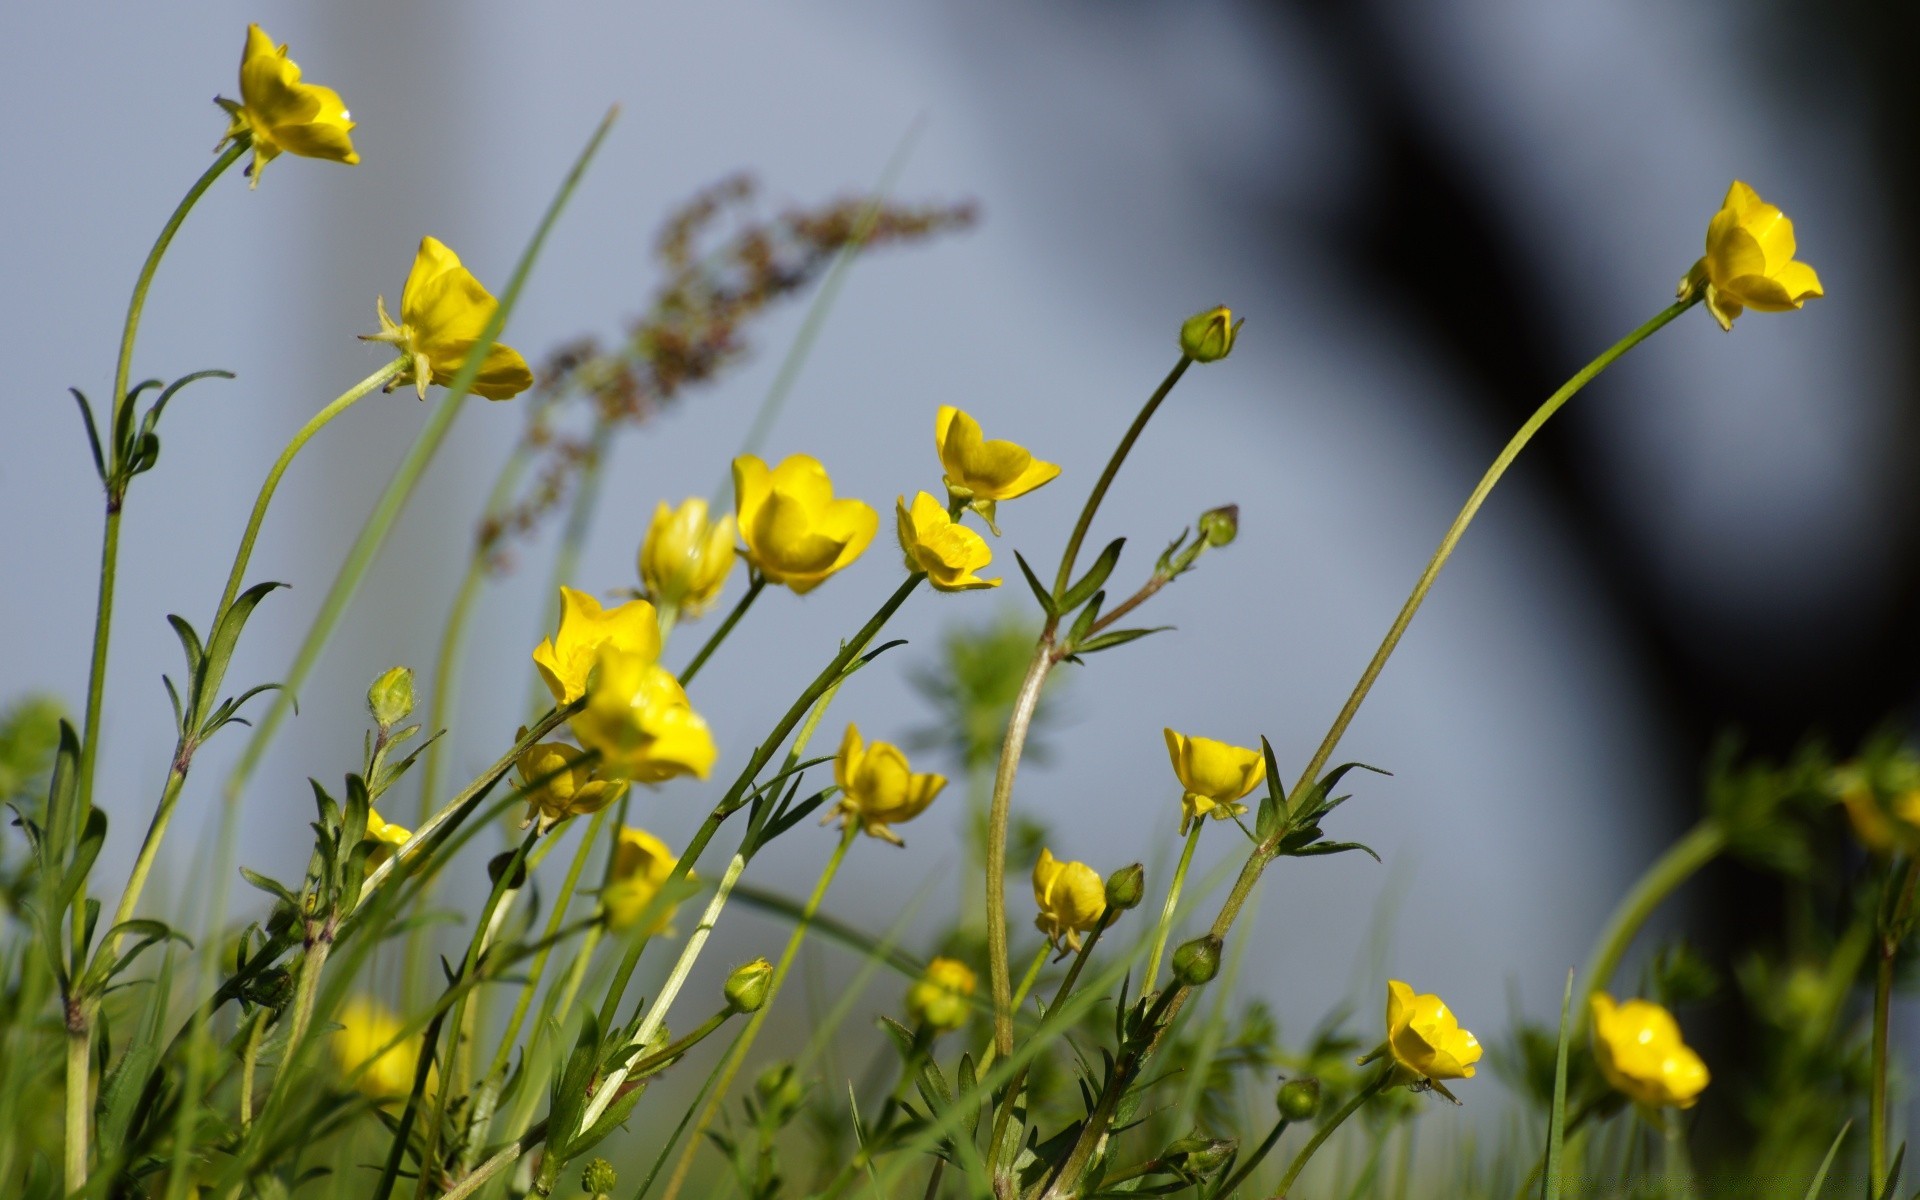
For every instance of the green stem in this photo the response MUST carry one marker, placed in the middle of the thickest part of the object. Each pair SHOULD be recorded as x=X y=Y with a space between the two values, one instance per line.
x=1033 y=975
x=754 y=588
x=1252 y=1162
x=1019 y=721
x=1173 y=900
x=1892 y=934
x=1699 y=846
x=79 y=1101
x=1327 y=1127
x=1011 y=1096
x=373 y=534
x=743 y=1045
x=306 y=987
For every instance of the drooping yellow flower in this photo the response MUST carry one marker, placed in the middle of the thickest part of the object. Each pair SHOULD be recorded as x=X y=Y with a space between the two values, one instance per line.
x=1749 y=261
x=563 y=783
x=638 y=718
x=796 y=533
x=386 y=838
x=981 y=473
x=1426 y=1040
x=685 y=560
x=939 y=998
x=280 y=113
x=1072 y=899
x=1215 y=774
x=878 y=789
x=641 y=864
x=366 y=1027
x=443 y=312
x=935 y=544
x=1637 y=1044
x=567 y=658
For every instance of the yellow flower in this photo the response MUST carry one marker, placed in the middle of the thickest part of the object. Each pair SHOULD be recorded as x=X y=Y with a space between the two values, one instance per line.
x=641 y=864
x=443 y=311
x=1882 y=803
x=367 y=1026
x=638 y=718
x=878 y=790
x=566 y=659
x=1215 y=775
x=1638 y=1047
x=386 y=838
x=938 y=999
x=1749 y=261
x=1072 y=899
x=685 y=560
x=796 y=532
x=946 y=551
x=1426 y=1040
x=281 y=114
x=562 y=784
x=981 y=473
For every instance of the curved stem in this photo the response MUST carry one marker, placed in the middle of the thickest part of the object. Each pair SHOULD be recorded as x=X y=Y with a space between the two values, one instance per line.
x=1173 y=900
x=1105 y=481
x=743 y=1045
x=1327 y=1127
x=1683 y=859
x=1015 y=744
x=739 y=610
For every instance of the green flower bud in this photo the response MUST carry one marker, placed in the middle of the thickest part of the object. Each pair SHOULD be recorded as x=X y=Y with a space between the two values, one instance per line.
x=390 y=698
x=1196 y=1157
x=1198 y=961
x=598 y=1179
x=1124 y=887
x=1208 y=336
x=1219 y=526
x=780 y=1090
x=748 y=986
x=1299 y=1099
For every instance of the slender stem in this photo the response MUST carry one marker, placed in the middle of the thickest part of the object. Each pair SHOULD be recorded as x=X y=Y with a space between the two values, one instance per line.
x=1892 y=933
x=1033 y=975
x=754 y=588
x=1248 y=1165
x=386 y=511
x=1120 y=452
x=1018 y=723
x=79 y=1102
x=743 y=1045
x=1327 y=1127
x=1173 y=901
x=1011 y=1096
x=1695 y=849
x=306 y=988
x=249 y=1056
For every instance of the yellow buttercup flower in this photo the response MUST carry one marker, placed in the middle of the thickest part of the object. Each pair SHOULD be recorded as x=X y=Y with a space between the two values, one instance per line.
x=1072 y=899
x=685 y=560
x=1215 y=774
x=1425 y=1039
x=795 y=531
x=641 y=864
x=947 y=552
x=981 y=473
x=939 y=998
x=563 y=783
x=1638 y=1047
x=878 y=790
x=367 y=1026
x=567 y=658
x=1749 y=261
x=1882 y=803
x=639 y=719
x=281 y=114
x=386 y=838
x=443 y=312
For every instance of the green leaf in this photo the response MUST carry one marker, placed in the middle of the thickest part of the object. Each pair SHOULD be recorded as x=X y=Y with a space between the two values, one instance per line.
x=93 y=434
x=1096 y=576
x=1552 y=1183
x=121 y=1089
x=152 y=417
x=1118 y=637
x=1273 y=806
x=1820 y=1176
x=1040 y=592
x=222 y=640
x=1083 y=623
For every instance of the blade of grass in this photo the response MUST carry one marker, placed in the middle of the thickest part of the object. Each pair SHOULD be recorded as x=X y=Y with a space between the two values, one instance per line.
x=1553 y=1180
x=1826 y=1164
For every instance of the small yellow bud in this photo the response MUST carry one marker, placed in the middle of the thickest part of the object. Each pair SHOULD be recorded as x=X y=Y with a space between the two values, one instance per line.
x=747 y=987
x=1637 y=1044
x=390 y=698
x=939 y=998
x=686 y=558
x=1208 y=336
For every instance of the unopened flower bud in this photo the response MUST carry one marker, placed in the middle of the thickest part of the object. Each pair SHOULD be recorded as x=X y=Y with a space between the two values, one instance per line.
x=1219 y=526
x=1208 y=336
x=598 y=1179
x=747 y=987
x=779 y=1088
x=1198 y=1157
x=1124 y=887
x=1198 y=961
x=1299 y=1099
x=390 y=698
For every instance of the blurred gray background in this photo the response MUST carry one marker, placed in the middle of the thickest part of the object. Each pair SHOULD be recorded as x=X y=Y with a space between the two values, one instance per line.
x=1428 y=214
